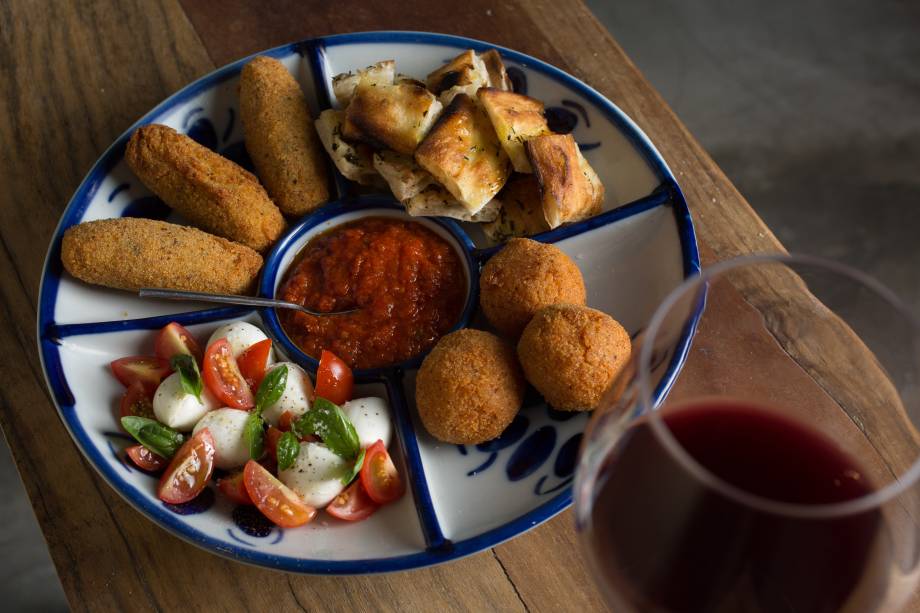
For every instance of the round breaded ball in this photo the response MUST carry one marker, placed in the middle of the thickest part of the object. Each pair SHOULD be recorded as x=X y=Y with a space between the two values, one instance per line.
x=524 y=277
x=572 y=353
x=469 y=388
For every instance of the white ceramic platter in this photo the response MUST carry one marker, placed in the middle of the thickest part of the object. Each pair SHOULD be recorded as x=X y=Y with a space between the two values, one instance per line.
x=462 y=498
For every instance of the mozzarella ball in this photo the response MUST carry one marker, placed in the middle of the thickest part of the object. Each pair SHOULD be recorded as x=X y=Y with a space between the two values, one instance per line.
x=226 y=427
x=241 y=335
x=178 y=409
x=316 y=475
x=371 y=418
x=296 y=396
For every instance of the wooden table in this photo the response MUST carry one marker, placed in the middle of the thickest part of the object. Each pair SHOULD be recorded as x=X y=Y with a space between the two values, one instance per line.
x=77 y=74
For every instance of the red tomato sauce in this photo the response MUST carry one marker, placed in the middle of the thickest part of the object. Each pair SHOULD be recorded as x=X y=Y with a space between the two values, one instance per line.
x=406 y=280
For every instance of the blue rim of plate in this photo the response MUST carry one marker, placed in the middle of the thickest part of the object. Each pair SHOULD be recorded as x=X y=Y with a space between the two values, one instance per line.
x=49 y=333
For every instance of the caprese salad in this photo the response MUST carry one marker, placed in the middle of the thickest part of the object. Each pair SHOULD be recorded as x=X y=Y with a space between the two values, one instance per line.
x=284 y=445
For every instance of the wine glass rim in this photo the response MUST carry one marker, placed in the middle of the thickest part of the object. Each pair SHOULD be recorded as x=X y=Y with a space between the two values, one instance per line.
x=706 y=476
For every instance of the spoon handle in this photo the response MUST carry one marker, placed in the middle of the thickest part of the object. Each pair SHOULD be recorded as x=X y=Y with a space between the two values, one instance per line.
x=172 y=294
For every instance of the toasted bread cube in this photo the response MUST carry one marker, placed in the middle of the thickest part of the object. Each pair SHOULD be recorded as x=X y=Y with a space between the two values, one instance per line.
x=355 y=162
x=435 y=201
x=516 y=118
x=402 y=174
x=393 y=117
x=462 y=152
x=343 y=85
x=570 y=189
x=498 y=76
x=464 y=74
x=521 y=213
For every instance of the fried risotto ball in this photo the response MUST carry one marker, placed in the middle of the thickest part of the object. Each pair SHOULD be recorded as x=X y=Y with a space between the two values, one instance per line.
x=212 y=192
x=280 y=137
x=524 y=277
x=131 y=253
x=571 y=354
x=469 y=388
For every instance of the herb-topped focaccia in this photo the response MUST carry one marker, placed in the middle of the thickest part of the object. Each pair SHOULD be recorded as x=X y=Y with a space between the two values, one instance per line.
x=343 y=85
x=462 y=152
x=516 y=118
x=393 y=117
x=569 y=187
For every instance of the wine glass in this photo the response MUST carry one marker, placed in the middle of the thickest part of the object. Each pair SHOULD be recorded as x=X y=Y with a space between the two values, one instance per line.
x=789 y=486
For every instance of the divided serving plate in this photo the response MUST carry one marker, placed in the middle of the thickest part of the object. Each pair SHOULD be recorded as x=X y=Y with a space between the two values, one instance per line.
x=462 y=499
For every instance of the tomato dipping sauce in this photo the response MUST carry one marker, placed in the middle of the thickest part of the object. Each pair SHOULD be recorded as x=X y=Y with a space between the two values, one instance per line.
x=407 y=281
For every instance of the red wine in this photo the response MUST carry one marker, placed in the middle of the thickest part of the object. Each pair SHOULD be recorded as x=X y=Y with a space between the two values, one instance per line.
x=666 y=541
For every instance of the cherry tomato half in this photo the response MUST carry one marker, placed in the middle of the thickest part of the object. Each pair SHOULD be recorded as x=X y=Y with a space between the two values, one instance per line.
x=188 y=472
x=274 y=499
x=136 y=402
x=223 y=378
x=353 y=504
x=254 y=362
x=334 y=380
x=146 y=459
x=379 y=477
x=174 y=339
x=233 y=488
x=286 y=420
x=149 y=370
x=271 y=442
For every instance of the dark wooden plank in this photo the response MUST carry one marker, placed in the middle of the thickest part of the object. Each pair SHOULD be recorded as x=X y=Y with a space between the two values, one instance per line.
x=235 y=28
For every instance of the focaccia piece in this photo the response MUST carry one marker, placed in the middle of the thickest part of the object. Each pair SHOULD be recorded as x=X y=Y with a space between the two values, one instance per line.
x=498 y=76
x=343 y=85
x=405 y=178
x=570 y=189
x=462 y=152
x=516 y=118
x=435 y=201
x=464 y=74
x=355 y=162
x=393 y=117
x=521 y=213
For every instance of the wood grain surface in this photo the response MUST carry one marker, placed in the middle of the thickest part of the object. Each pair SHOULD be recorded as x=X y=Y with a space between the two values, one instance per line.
x=76 y=75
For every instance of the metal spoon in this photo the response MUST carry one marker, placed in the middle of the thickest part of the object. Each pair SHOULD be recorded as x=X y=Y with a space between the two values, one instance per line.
x=174 y=294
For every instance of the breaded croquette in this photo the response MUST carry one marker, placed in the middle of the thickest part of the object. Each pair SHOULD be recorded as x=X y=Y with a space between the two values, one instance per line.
x=209 y=190
x=469 y=388
x=572 y=354
x=280 y=137
x=130 y=253
x=524 y=277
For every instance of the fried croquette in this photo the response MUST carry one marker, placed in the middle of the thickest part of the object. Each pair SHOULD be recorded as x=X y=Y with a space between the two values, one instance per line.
x=524 y=277
x=209 y=190
x=469 y=388
x=280 y=137
x=571 y=354
x=130 y=253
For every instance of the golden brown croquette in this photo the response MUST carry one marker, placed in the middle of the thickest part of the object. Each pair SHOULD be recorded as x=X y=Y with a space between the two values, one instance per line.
x=469 y=388
x=209 y=190
x=572 y=353
x=131 y=253
x=280 y=137
x=524 y=277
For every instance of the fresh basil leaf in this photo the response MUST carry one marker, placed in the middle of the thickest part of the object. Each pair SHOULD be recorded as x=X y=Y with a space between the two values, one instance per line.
x=161 y=440
x=254 y=433
x=327 y=421
x=359 y=462
x=189 y=374
x=288 y=448
x=271 y=388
